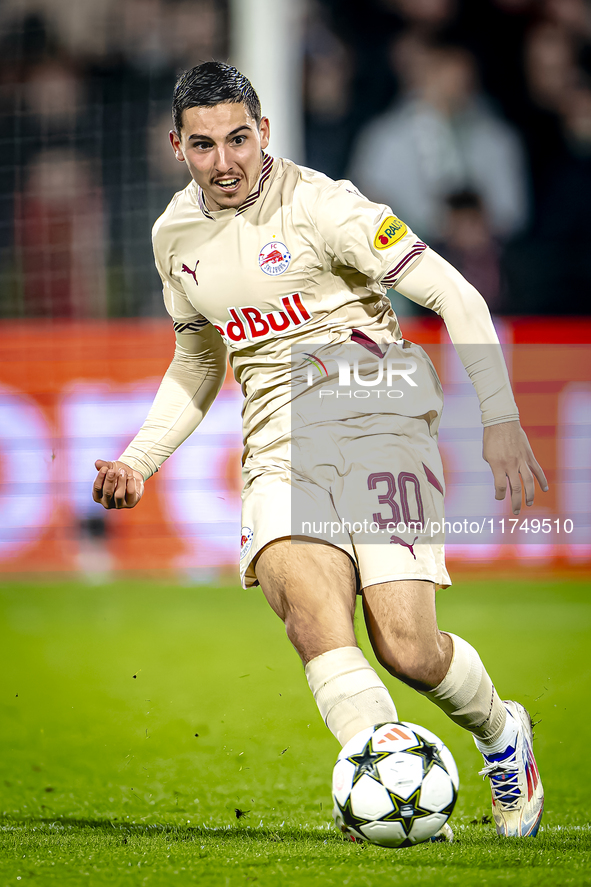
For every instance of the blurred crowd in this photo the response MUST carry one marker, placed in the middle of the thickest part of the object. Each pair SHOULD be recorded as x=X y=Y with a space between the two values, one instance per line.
x=85 y=165
x=471 y=119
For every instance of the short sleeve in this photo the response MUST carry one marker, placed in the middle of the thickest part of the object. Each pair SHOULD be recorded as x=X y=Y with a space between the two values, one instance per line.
x=364 y=235
x=186 y=318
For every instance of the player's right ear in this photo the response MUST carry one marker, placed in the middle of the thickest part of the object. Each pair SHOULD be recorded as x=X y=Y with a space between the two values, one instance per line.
x=176 y=146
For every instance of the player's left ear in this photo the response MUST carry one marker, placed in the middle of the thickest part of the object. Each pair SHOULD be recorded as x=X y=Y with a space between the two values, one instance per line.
x=264 y=131
x=176 y=146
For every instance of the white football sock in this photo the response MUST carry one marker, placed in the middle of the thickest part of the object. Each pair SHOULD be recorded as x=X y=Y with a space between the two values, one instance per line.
x=507 y=738
x=348 y=692
x=467 y=696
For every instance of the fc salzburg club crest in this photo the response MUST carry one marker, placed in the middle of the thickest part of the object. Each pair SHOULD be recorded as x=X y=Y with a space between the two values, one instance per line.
x=274 y=258
x=245 y=541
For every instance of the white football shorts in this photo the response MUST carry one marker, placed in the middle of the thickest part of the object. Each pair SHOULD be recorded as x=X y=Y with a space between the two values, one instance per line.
x=371 y=485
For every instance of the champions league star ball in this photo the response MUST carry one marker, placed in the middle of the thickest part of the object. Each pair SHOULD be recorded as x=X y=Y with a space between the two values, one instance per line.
x=394 y=785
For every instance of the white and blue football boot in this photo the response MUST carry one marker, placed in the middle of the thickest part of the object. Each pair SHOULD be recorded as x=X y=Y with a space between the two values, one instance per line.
x=516 y=787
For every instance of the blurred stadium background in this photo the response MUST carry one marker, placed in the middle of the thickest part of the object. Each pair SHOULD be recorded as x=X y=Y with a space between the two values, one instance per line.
x=472 y=120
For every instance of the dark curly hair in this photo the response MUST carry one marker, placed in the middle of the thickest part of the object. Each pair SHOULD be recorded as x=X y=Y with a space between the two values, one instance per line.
x=209 y=84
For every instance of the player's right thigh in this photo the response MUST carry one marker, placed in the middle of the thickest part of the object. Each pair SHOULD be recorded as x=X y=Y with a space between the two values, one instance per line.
x=312 y=587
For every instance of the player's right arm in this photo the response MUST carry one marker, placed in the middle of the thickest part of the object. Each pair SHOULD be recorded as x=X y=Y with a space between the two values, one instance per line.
x=187 y=391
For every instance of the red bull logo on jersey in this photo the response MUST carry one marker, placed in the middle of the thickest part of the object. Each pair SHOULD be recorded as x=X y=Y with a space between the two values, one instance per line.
x=390 y=232
x=274 y=258
x=250 y=324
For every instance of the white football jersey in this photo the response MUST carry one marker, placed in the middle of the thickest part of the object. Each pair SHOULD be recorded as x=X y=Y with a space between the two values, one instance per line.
x=303 y=259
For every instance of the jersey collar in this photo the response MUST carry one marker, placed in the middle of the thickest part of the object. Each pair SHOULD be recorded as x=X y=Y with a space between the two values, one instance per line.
x=252 y=198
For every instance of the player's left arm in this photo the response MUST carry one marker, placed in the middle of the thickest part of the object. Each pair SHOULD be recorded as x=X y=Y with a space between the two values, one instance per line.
x=434 y=283
x=364 y=235
x=357 y=233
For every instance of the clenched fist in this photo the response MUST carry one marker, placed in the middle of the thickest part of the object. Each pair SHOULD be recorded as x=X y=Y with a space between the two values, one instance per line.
x=117 y=485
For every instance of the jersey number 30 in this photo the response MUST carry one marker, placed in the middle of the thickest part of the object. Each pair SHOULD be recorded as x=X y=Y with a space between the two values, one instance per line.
x=387 y=498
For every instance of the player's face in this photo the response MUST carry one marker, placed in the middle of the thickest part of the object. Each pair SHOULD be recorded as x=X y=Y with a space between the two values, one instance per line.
x=222 y=147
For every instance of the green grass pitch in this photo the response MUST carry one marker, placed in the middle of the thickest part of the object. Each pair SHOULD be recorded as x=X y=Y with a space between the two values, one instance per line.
x=137 y=717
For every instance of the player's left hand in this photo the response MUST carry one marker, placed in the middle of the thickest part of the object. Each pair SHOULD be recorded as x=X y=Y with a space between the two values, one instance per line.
x=509 y=454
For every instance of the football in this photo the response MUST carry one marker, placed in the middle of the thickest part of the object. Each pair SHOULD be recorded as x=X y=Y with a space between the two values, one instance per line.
x=394 y=785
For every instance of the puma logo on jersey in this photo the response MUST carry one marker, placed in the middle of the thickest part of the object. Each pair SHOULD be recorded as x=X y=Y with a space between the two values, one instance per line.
x=396 y=540
x=250 y=324
x=193 y=272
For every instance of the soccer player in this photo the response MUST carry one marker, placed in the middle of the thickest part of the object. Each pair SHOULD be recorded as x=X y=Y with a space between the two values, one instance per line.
x=263 y=259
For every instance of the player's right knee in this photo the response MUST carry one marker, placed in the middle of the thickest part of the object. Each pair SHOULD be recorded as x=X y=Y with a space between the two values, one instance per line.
x=307 y=641
x=313 y=633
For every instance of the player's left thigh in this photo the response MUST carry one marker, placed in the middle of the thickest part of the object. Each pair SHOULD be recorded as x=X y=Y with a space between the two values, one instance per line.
x=402 y=625
x=312 y=587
